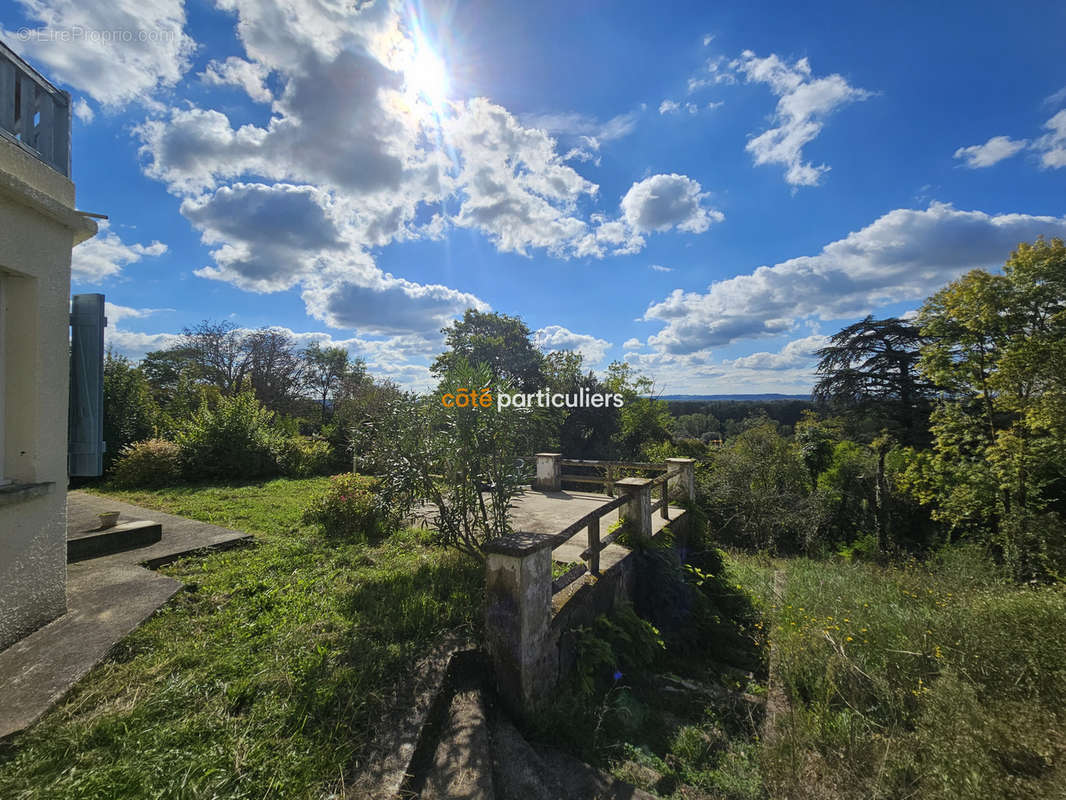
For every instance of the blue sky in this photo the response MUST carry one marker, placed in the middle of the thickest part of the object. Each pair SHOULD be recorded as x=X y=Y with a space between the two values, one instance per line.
x=705 y=190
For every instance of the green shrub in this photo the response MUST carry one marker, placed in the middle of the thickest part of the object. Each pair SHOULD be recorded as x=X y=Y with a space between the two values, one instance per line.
x=347 y=507
x=232 y=441
x=151 y=462
x=303 y=456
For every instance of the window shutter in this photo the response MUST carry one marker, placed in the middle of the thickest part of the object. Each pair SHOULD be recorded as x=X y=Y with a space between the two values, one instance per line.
x=86 y=428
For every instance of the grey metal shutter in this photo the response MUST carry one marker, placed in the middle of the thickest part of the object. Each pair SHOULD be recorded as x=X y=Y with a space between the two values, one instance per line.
x=85 y=451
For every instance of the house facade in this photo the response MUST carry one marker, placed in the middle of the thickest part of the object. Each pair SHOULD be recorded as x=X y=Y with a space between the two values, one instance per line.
x=38 y=228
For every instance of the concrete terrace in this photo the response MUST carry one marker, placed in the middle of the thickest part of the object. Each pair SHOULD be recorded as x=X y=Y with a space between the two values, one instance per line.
x=550 y=512
x=107 y=598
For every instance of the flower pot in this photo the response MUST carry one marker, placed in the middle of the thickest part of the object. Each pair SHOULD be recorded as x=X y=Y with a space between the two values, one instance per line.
x=108 y=519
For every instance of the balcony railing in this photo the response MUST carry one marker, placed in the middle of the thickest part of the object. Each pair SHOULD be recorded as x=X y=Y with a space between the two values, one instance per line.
x=33 y=113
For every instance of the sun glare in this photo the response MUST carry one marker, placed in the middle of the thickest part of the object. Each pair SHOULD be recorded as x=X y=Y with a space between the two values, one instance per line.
x=426 y=77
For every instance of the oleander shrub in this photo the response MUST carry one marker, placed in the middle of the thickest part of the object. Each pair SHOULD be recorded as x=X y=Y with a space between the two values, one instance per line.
x=150 y=462
x=346 y=508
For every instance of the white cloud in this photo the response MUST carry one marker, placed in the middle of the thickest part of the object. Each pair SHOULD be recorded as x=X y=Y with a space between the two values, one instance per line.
x=106 y=254
x=660 y=268
x=243 y=74
x=116 y=313
x=556 y=337
x=280 y=210
x=517 y=189
x=116 y=51
x=905 y=254
x=632 y=344
x=672 y=107
x=270 y=236
x=662 y=202
x=716 y=71
x=1052 y=145
x=589 y=129
x=1056 y=98
x=804 y=102
x=387 y=305
x=797 y=354
x=707 y=38
x=991 y=152
x=83 y=111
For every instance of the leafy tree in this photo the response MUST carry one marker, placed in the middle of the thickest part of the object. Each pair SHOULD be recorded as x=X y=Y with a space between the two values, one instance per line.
x=129 y=411
x=583 y=432
x=275 y=369
x=163 y=369
x=325 y=370
x=643 y=420
x=503 y=343
x=220 y=354
x=696 y=426
x=756 y=491
x=869 y=370
x=996 y=351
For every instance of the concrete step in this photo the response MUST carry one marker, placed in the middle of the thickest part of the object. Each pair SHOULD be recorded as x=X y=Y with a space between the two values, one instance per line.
x=462 y=764
x=105 y=601
x=124 y=536
x=519 y=772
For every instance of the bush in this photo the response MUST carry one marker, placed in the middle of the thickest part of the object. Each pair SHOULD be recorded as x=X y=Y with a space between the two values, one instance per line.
x=233 y=441
x=303 y=456
x=151 y=462
x=346 y=508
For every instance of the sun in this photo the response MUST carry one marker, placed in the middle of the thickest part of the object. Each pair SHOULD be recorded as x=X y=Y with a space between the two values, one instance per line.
x=426 y=77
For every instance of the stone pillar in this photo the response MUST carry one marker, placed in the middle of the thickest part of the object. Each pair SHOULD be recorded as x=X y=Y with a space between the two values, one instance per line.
x=549 y=472
x=637 y=512
x=518 y=613
x=682 y=486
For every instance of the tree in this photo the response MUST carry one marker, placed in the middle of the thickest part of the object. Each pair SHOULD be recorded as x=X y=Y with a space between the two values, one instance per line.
x=581 y=432
x=129 y=410
x=163 y=369
x=275 y=368
x=325 y=369
x=869 y=370
x=996 y=351
x=503 y=343
x=220 y=354
x=756 y=491
x=643 y=420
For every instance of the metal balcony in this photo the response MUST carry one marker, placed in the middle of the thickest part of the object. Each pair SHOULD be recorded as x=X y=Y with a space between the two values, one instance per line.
x=34 y=114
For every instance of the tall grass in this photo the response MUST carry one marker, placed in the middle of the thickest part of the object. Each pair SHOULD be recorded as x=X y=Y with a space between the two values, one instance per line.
x=932 y=681
x=266 y=677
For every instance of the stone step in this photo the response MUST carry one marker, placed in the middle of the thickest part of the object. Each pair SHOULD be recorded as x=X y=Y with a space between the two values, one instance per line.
x=125 y=536
x=462 y=763
x=519 y=772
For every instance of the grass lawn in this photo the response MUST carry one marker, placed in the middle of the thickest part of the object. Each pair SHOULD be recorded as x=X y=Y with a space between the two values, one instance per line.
x=266 y=677
x=925 y=681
